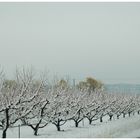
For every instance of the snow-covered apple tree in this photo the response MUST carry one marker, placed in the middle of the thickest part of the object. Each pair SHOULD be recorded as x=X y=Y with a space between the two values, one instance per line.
x=57 y=109
x=17 y=100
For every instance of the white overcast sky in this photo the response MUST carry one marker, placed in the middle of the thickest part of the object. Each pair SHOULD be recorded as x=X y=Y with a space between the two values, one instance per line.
x=75 y=39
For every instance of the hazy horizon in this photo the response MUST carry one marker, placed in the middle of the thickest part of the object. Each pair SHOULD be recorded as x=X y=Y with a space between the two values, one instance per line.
x=78 y=40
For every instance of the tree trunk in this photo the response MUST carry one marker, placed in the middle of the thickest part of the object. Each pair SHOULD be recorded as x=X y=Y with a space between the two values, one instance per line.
x=7 y=123
x=76 y=124
x=58 y=127
x=110 y=117
x=117 y=116
x=4 y=133
x=123 y=115
x=90 y=121
x=129 y=114
x=36 y=131
x=101 y=119
x=138 y=112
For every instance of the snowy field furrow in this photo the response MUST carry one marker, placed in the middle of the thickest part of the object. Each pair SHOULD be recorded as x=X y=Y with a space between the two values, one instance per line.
x=128 y=127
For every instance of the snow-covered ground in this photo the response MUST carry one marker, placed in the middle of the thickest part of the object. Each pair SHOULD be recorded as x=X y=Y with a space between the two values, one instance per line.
x=128 y=127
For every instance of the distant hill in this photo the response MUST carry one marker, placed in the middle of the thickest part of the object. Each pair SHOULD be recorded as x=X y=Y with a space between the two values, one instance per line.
x=123 y=88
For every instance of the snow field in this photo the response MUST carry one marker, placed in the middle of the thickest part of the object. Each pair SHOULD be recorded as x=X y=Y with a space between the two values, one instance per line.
x=128 y=127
